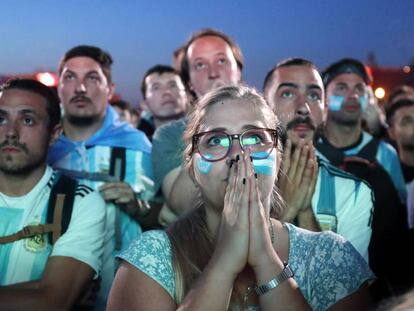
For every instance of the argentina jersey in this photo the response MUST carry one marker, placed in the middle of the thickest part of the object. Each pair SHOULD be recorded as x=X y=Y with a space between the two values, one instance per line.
x=95 y=161
x=343 y=204
x=25 y=259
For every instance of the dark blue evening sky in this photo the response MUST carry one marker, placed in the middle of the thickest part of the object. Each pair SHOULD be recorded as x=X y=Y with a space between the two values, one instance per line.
x=139 y=34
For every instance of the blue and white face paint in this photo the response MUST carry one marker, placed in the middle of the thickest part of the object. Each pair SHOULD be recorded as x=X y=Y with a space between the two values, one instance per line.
x=203 y=166
x=363 y=101
x=336 y=102
x=265 y=166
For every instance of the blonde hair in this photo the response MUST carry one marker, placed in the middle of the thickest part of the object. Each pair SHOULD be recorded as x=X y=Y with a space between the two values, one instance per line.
x=192 y=244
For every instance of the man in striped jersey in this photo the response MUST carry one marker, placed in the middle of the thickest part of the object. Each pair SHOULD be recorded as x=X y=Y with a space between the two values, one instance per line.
x=318 y=196
x=34 y=274
x=106 y=154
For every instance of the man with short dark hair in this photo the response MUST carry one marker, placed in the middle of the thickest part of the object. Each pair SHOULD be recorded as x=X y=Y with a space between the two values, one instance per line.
x=210 y=59
x=164 y=95
x=36 y=272
x=318 y=196
x=103 y=152
x=400 y=119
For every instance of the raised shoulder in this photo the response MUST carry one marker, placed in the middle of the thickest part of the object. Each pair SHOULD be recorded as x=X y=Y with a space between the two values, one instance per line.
x=151 y=254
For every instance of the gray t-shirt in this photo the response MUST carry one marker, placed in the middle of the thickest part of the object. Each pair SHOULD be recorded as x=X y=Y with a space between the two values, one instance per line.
x=167 y=149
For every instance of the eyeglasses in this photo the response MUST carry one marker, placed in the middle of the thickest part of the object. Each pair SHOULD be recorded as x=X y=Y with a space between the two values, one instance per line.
x=216 y=145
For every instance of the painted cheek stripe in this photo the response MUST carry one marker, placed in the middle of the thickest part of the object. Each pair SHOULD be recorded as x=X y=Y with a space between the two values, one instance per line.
x=265 y=166
x=335 y=102
x=203 y=165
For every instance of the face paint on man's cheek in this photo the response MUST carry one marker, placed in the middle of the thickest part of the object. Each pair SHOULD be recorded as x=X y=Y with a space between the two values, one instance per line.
x=335 y=102
x=363 y=101
x=203 y=166
x=264 y=166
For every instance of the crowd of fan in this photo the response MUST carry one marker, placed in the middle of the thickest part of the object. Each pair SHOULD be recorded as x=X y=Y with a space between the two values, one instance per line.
x=210 y=195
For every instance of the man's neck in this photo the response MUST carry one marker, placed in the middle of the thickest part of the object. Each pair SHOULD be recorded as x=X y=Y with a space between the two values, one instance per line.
x=340 y=135
x=158 y=122
x=75 y=132
x=19 y=185
x=407 y=157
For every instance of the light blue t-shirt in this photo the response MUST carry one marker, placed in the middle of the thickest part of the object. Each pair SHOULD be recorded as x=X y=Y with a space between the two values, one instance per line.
x=25 y=260
x=327 y=267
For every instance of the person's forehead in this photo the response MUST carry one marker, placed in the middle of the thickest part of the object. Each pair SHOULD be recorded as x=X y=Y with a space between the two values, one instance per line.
x=17 y=99
x=405 y=111
x=348 y=78
x=162 y=77
x=300 y=75
x=207 y=45
x=82 y=64
x=233 y=113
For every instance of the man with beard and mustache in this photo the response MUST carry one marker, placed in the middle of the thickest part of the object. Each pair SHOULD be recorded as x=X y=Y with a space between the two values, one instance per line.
x=318 y=196
x=35 y=272
x=346 y=84
x=210 y=59
x=106 y=154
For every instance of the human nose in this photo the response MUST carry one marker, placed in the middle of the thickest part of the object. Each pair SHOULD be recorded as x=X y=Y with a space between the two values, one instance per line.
x=80 y=87
x=12 y=130
x=213 y=71
x=302 y=106
x=235 y=148
x=166 y=91
x=353 y=93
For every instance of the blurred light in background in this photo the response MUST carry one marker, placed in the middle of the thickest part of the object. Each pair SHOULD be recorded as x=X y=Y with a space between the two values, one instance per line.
x=406 y=69
x=47 y=78
x=379 y=93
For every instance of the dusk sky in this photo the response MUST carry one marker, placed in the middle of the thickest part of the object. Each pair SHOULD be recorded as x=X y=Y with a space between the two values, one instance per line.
x=140 y=34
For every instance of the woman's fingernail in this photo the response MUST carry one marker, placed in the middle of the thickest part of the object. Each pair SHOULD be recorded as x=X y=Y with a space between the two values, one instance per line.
x=255 y=175
x=237 y=158
x=251 y=159
x=244 y=181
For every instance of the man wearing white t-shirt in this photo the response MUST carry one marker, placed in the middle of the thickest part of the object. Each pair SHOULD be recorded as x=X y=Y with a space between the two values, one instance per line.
x=34 y=273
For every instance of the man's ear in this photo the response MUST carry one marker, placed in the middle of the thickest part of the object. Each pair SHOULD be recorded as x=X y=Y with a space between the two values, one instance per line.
x=55 y=133
x=111 y=90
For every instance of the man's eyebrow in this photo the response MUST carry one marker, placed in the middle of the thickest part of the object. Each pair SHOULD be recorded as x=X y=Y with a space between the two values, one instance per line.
x=341 y=83
x=287 y=84
x=28 y=111
x=21 y=112
x=314 y=86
